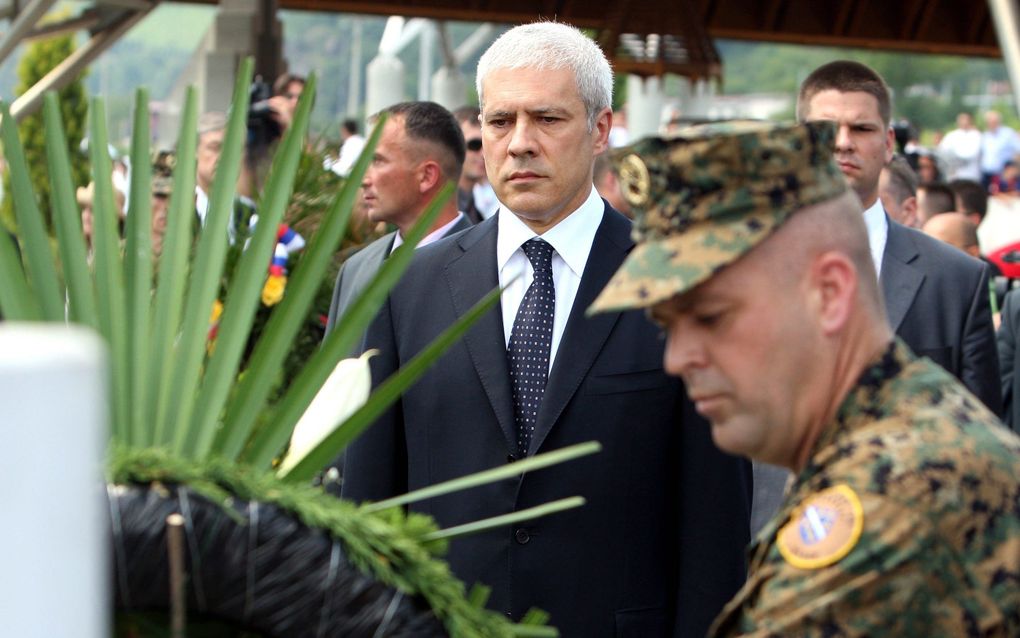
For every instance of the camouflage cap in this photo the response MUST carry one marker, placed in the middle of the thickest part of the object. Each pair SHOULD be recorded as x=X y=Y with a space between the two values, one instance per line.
x=163 y=173
x=709 y=195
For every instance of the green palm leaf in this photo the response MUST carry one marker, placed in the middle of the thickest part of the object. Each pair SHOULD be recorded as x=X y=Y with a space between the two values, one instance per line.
x=266 y=360
x=138 y=270
x=243 y=296
x=269 y=440
x=81 y=295
x=109 y=268
x=173 y=272
x=42 y=272
x=206 y=272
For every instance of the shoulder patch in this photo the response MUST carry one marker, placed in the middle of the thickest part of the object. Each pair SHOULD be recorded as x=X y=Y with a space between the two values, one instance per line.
x=635 y=180
x=823 y=529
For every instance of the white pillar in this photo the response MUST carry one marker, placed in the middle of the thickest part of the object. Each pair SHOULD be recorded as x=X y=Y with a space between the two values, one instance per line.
x=354 y=78
x=685 y=98
x=384 y=80
x=1006 y=18
x=644 y=106
x=426 y=51
x=704 y=92
x=449 y=88
x=55 y=530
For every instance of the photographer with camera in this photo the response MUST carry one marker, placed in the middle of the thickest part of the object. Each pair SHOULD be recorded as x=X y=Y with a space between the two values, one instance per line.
x=270 y=112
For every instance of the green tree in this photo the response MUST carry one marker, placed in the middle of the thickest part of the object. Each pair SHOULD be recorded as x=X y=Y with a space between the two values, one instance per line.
x=39 y=58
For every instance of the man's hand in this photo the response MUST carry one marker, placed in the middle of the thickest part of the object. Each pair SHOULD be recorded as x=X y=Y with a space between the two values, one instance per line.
x=282 y=109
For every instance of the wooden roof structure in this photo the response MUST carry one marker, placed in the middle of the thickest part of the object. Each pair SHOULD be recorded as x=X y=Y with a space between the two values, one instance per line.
x=961 y=27
x=643 y=37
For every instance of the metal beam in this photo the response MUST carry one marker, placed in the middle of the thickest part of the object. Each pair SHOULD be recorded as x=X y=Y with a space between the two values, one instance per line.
x=22 y=24
x=1005 y=16
x=89 y=19
x=478 y=38
x=443 y=37
x=65 y=72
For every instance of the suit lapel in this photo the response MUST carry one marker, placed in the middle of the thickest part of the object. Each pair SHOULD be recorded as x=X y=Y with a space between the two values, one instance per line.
x=583 y=336
x=470 y=276
x=362 y=267
x=900 y=279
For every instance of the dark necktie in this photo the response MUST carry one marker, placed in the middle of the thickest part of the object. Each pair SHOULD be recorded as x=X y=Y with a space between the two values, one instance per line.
x=531 y=342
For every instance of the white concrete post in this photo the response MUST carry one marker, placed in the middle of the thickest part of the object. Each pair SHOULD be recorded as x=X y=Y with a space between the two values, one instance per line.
x=384 y=82
x=644 y=106
x=54 y=533
x=449 y=88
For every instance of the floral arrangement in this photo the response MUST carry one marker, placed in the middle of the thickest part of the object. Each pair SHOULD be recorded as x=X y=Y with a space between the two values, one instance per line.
x=198 y=430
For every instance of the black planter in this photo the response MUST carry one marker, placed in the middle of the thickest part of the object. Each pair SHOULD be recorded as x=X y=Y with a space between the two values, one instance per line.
x=259 y=569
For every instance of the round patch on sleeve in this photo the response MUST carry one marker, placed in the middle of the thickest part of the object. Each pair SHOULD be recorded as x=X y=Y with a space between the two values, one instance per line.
x=823 y=529
x=635 y=180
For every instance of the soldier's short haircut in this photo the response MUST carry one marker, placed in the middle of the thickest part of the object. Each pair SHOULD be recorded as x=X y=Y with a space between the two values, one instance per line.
x=551 y=46
x=603 y=165
x=350 y=125
x=431 y=123
x=467 y=114
x=939 y=198
x=902 y=179
x=845 y=76
x=971 y=197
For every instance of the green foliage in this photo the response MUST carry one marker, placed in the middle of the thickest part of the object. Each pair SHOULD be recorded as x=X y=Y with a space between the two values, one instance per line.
x=184 y=409
x=39 y=59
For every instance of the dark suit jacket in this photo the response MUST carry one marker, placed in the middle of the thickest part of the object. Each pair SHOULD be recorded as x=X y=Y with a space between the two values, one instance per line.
x=358 y=270
x=658 y=548
x=1008 y=361
x=937 y=301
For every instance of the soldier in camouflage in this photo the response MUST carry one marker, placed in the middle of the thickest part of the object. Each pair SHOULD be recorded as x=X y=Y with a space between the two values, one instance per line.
x=903 y=517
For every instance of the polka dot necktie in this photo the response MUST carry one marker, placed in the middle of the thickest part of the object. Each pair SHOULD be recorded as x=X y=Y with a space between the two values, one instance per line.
x=531 y=341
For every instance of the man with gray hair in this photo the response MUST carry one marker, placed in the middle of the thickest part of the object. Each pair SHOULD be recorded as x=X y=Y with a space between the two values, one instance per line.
x=658 y=546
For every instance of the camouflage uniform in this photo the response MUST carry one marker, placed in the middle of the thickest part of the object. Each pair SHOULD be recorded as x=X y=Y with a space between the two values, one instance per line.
x=906 y=519
x=938 y=552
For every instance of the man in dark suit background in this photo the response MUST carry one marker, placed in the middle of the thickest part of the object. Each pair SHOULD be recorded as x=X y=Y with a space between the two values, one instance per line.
x=935 y=297
x=1009 y=361
x=658 y=547
x=420 y=150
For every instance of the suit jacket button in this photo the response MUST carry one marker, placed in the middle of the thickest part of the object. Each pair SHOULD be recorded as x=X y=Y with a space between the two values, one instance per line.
x=510 y=458
x=522 y=536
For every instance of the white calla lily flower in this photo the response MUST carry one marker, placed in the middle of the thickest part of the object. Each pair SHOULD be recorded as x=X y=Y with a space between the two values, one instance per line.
x=343 y=393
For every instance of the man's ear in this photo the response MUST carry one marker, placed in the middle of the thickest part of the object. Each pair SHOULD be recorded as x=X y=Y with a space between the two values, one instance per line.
x=429 y=176
x=909 y=212
x=834 y=281
x=603 y=124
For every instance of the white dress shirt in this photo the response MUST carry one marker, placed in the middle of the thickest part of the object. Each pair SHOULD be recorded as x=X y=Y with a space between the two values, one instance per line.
x=349 y=152
x=571 y=240
x=997 y=148
x=878 y=232
x=202 y=209
x=432 y=237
